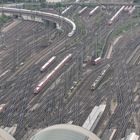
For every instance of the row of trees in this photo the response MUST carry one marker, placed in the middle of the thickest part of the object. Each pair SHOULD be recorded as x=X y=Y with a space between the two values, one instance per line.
x=5 y=1
x=137 y=1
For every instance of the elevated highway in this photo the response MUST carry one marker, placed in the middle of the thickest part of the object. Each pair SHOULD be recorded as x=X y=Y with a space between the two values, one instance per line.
x=49 y=16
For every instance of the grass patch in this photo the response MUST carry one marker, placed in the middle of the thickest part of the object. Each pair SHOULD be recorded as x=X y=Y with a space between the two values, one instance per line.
x=79 y=24
x=4 y=19
x=99 y=48
x=32 y=6
x=136 y=1
x=98 y=18
x=126 y=27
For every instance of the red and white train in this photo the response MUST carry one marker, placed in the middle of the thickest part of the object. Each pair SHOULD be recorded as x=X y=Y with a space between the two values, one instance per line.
x=116 y=15
x=126 y=8
x=49 y=62
x=96 y=61
x=2 y=106
x=132 y=10
x=53 y=73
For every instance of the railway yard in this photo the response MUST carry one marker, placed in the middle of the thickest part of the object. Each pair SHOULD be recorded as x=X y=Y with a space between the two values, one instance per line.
x=57 y=68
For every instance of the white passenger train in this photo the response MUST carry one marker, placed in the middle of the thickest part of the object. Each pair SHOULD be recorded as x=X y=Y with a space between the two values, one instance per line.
x=66 y=10
x=93 y=11
x=41 y=14
x=77 y=1
x=48 y=63
x=82 y=10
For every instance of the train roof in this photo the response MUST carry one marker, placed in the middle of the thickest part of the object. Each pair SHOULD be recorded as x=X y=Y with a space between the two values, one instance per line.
x=92 y=11
x=132 y=136
x=97 y=58
x=53 y=71
x=50 y=60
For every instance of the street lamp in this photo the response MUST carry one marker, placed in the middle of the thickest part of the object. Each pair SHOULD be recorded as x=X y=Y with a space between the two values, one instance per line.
x=33 y=49
x=17 y=51
x=96 y=46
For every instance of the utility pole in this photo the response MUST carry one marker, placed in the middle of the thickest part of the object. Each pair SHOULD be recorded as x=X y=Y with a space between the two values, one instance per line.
x=17 y=51
x=96 y=46
x=136 y=122
x=33 y=49
x=3 y=39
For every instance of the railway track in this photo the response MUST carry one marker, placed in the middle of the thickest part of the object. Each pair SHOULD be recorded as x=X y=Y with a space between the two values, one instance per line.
x=23 y=108
x=122 y=86
x=38 y=56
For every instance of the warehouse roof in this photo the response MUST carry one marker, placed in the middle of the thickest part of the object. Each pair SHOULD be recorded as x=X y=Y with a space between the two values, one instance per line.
x=5 y=136
x=64 y=132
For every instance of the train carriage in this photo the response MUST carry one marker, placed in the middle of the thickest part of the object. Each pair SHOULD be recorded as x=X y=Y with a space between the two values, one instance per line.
x=48 y=63
x=44 y=82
